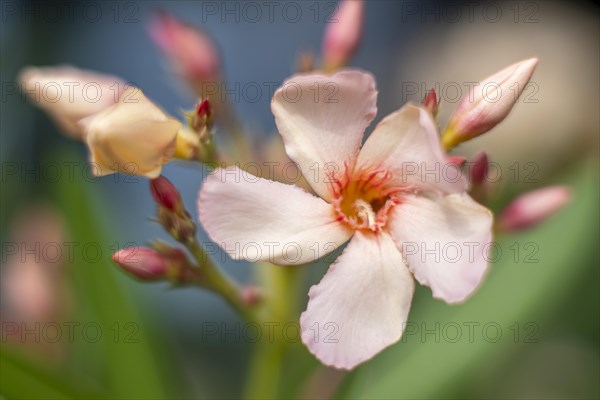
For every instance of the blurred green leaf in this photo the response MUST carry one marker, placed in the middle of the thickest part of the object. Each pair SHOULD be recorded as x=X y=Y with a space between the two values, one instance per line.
x=425 y=366
x=23 y=380
x=130 y=351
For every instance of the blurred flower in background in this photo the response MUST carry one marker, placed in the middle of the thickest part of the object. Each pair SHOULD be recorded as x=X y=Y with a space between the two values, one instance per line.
x=33 y=280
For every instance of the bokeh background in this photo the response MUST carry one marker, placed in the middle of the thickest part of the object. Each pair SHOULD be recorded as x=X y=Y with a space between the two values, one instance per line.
x=534 y=323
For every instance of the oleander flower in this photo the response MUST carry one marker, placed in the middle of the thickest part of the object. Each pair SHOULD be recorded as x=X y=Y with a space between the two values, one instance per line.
x=398 y=200
x=133 y=136
x=70 y=94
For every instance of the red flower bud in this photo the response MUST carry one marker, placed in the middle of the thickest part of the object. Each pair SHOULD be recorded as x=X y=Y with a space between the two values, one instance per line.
x=165 y=194
x=203 y=109
x=479 y=168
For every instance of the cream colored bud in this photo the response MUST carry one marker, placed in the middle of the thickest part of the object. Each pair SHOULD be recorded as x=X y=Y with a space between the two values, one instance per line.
x=133 y=136
x=70 y=94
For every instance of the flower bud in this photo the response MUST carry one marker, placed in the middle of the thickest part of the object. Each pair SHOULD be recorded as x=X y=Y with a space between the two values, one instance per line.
x=69 y=94
x=190 y=50
x=488 y=103
x=533 y=207
x=431 y=103
x=195 y=141
x=133 y=136
x=204 y=111
x=481 y=189
x=479 y=168
x=180 y=270
x=178 y=224
x=142 y=262
x=165 y=194
x=343 y=34
x=172 y=214
x=202 y=119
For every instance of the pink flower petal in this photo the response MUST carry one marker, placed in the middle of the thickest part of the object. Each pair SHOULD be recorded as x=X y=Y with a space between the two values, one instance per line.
x=445 y=242
x=361 y=305
x=257 y=219
x=407 y=144
x=322 y=119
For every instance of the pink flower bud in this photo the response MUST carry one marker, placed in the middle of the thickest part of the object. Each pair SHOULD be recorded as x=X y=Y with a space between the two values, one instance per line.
x=165 y=194
x=479 y=168
x=430 y=102
x=190 y=50
x=533 y=207
x=343 y=34
x=142 y=262
x=488 y=103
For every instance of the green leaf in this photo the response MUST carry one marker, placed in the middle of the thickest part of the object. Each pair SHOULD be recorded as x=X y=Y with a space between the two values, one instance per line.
x=24 y=380
x=130 y=352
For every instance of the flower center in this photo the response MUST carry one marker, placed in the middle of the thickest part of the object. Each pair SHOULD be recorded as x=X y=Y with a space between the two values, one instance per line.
x=363 y=198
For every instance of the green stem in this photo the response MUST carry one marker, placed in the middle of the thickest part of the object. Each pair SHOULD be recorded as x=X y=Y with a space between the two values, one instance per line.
x=214 y=279
x=266 y=364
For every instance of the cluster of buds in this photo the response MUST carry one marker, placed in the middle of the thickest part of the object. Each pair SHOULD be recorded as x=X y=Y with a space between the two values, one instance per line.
x=476 y=114
x=527 y=210
x=172 y=214
x=162 y=262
